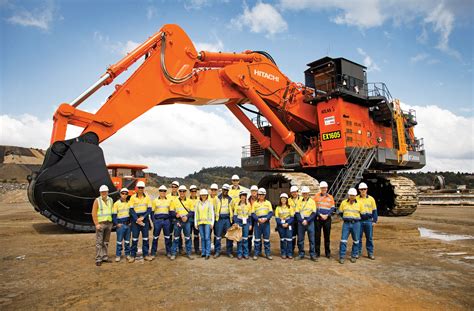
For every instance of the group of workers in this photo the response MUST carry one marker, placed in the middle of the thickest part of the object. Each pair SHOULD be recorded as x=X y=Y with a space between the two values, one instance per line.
x=195 y=216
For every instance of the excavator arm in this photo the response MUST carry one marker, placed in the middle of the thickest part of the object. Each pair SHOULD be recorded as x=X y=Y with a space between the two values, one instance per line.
x=173 y=73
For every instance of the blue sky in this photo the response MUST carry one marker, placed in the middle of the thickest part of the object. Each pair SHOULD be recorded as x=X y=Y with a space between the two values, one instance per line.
x=52 y=50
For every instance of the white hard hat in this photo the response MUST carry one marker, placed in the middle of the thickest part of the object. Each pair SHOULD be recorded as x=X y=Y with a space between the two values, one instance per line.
x=124 y=190
x=243 y=192
x=176 y=183
x=103 y=188
x=214 y=187
x=235 y=177
x=262 y=191
x=182 y=187
x=294 y=188
x=254 y=187
x=323 y=184
x=163 y=187
x=304 y=189
x=284 y=195
x=363 y=185
x=225 y=187
x=352 y=191
x=140 y=184
x=192 y=187
x=203 y=192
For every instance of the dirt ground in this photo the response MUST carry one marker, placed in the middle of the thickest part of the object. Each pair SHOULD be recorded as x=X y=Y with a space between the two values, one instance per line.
x=45 y=267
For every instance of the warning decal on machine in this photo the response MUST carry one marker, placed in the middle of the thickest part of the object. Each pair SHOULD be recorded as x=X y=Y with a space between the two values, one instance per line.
x=329 y=120
x=332 y=135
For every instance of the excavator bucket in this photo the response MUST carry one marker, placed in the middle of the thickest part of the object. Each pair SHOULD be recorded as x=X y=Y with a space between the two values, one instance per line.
x=65 y=187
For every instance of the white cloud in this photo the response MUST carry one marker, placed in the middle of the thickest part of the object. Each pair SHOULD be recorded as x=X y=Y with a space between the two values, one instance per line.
x=117 y=47
x=438 y=16
x=195 y=4
x=173 y=140
x=448 y=138
x=151 y=12
x=368 y=61
x=208 y=46
x=442 y=20
x=262 y=18
x=423 y=58
x=419 y=57
x=39 y=17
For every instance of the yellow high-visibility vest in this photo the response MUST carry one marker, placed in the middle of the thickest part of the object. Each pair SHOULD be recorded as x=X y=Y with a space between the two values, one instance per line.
x=104 y=212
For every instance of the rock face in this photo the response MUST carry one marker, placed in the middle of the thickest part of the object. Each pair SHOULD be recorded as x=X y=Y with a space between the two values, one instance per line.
x=16 y=163
x=13 y=193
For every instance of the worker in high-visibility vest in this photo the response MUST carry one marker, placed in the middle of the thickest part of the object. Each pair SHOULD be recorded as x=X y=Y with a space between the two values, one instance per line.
x=174 y=196
x=293 y=202
x=161 y=221
x=140 y=210
x=223 y=214
x=305 y=214
x=215 y=202
x=102 y=217
x=284 y=216
x=369 y=217
x=121 y=221
x=194 y=232
x=325 y=207
x=241 y=215
x=262 y=212
x=180 y=210
x=349 y=210
x=235 y=188
x=204 y=221
x=251 y=200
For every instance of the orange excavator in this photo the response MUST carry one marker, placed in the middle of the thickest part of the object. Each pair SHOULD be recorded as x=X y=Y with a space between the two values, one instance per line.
x=334 y=127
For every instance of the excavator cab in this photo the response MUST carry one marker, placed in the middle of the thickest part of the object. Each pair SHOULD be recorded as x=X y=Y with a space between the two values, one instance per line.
x=127 y=176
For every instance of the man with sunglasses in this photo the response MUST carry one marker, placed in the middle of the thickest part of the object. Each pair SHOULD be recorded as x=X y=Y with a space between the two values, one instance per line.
x=140 y=210
x=181 y=210
x=194 y=232
x=369 y=217
x=161 y=221
x=121 y=221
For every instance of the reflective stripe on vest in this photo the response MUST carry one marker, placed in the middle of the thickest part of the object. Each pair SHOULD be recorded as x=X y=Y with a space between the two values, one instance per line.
x=224 y=208
x=307 y=209
x=242 y=211
x=203 y=213
x=104 y=212
x=121 y=209
x=262 y=208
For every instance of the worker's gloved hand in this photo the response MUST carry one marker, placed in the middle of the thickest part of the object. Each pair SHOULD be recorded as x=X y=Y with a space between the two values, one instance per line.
x=305 y=223
x=98 y=227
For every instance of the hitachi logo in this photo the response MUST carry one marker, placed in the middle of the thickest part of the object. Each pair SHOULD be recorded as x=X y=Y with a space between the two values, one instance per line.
x=266 y=75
